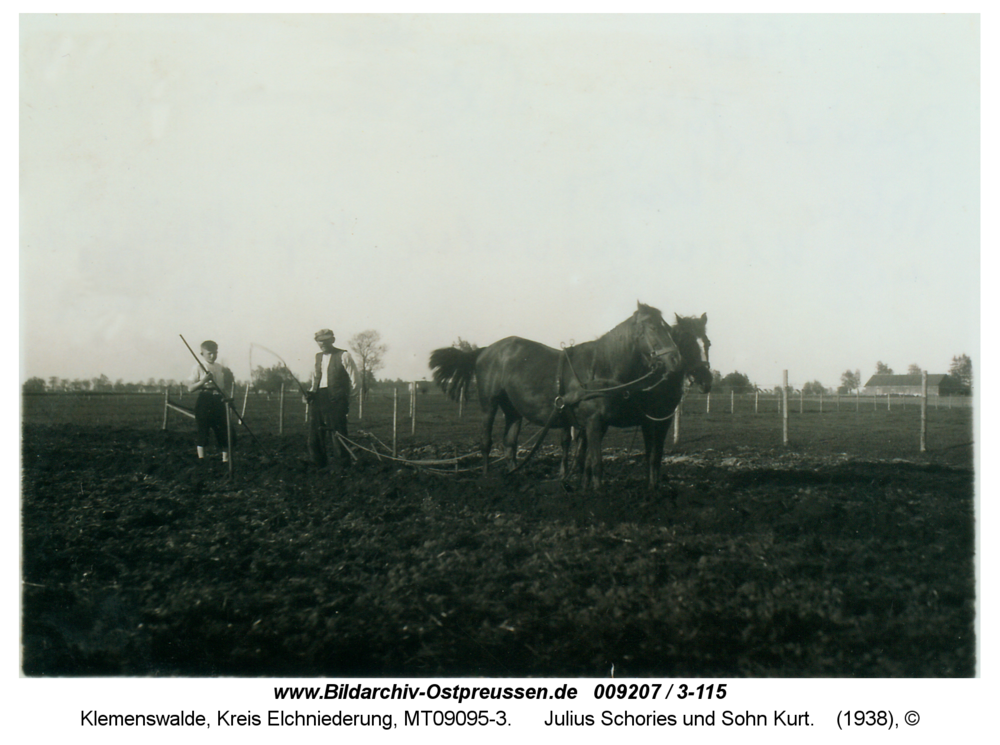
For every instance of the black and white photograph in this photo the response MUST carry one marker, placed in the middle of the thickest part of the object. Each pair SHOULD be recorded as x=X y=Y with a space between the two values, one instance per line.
x=433 y=346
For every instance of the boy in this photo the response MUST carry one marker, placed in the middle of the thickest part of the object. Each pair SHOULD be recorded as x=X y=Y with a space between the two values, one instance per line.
x=210 y=408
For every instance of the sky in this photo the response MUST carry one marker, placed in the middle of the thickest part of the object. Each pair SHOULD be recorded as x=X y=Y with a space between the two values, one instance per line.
x=812 y=183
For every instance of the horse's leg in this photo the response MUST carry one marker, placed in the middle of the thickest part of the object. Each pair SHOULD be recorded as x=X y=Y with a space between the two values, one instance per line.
x=581 y=449
x=647 y=440
x=594 y=468
x=512 y=429
x=489 y=415
x=654 y=450
x=566 y=442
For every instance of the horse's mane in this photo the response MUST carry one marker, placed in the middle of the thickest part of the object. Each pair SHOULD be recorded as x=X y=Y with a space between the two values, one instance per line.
x=619 y=342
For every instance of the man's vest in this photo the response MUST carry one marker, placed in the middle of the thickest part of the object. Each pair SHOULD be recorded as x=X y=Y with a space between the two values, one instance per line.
x=338 y=382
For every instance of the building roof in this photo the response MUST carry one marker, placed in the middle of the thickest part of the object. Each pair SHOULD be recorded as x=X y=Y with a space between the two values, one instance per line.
x=907 y=380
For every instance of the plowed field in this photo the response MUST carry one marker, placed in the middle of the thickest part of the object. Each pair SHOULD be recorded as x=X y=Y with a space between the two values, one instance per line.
x=749 y=560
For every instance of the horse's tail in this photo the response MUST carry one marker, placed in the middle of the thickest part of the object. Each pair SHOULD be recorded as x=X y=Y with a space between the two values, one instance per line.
x=453 y=369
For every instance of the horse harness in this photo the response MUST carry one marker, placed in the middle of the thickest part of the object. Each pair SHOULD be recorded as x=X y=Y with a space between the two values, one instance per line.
x=562 y=399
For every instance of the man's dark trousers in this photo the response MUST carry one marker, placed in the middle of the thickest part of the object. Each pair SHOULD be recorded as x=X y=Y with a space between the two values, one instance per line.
x=327 y=416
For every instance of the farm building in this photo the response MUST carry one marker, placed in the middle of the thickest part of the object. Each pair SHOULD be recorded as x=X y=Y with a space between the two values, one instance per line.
x=910 y=385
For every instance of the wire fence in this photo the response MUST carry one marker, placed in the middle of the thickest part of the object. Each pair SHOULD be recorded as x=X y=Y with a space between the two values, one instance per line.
x=419 y=414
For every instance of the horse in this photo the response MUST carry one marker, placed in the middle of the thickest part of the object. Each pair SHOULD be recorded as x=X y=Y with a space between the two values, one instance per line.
x=529 y=380
x=651 y=408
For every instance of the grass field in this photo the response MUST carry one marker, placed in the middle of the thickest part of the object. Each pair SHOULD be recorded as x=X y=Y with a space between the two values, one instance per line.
x=863 y=428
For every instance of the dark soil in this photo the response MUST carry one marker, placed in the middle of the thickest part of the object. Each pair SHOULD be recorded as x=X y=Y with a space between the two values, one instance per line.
x=745 y=562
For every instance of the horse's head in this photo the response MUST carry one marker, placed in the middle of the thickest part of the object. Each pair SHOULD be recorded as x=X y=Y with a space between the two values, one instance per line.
x=656 y=339
x=692 y=339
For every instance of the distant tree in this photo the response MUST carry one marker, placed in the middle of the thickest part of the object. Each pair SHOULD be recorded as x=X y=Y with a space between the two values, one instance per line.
x=882 y=369
x=813 y=388
x=369 y=352
x=961 y=368
x=33 y=385
x=465 y=346
x=737 y=382
x=913 y=369
x=270 y=379
x=368 y=381
x=850 y=380
x=716 y=378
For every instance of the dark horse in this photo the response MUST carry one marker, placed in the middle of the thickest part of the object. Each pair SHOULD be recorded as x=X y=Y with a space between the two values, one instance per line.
x=652 y=407
x=529 y=380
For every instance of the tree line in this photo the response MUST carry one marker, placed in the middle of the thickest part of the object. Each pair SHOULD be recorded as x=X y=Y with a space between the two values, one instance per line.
x=366 y=347
x=369 y=353
x=737 y=382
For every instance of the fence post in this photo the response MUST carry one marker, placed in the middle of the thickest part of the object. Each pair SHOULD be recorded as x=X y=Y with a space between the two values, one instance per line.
x=784 y=407
x=857 y=398
x=677 y=422
x=166 y=407
x=888 y=400
x=229 y=432
x=821 y=402
x=732 y=402
x=395 y=407
x=756 y=400
x=923 y=412
x=281 y=411
x=246 y=395
x=802 y=399
x=413 y=410
x=708 y=403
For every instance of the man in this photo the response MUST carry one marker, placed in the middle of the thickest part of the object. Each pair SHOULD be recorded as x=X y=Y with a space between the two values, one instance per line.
x=334 y=378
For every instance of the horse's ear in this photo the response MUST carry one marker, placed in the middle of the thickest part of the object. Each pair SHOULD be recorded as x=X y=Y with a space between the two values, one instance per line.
x=677 y=317
x=704 y=317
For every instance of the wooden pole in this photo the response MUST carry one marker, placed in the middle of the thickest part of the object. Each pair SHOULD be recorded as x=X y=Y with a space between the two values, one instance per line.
x=708 y=403
x=229 y=436
x=857 y=398
x=802 y=399
x=784 y=407
x=756 y=400
x=166 y=407
x=395 y=409
x=888 y=400
x=413 y=418
x=732 y=402
x=246 y=395
x=281 y=411
x=821 y=402
x=923 y=412
x=677 y=422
